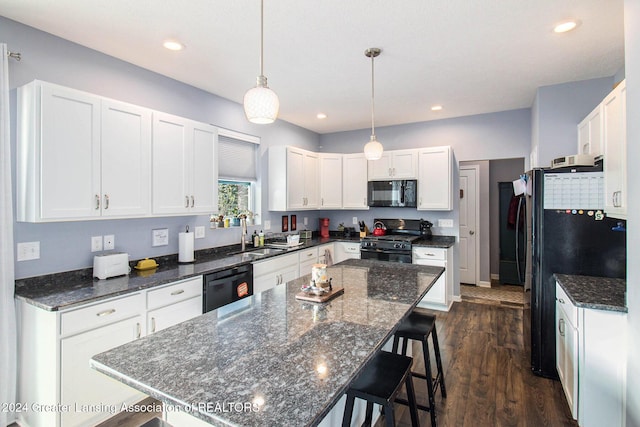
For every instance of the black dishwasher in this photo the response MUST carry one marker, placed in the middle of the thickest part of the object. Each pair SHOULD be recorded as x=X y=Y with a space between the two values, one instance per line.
x=226 y=286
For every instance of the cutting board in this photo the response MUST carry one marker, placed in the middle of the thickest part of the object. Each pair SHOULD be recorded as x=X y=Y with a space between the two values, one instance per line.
x=308 y=296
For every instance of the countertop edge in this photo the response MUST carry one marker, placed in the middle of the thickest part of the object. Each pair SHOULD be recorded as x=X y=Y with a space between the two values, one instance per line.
x=574 y=284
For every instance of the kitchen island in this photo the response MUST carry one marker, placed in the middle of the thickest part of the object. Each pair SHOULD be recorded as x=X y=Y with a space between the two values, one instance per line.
x=276 y=360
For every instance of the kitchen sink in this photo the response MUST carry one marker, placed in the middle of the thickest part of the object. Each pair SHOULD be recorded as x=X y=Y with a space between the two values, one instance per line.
x=257 y=253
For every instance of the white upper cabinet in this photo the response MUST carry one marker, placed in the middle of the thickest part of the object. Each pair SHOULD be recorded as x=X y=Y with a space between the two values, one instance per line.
x=354 y=181
x=330 y=181
x=590 y=133
x=397 y=164
x=80 y=156
x=293 y=179
x=185 y=172
x=435 y=188
x=615 y=152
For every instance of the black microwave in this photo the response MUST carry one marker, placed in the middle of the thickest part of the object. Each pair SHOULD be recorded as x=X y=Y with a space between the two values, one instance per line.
x=393 y=193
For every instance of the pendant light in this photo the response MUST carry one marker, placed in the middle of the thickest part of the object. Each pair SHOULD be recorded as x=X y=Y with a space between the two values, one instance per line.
x=372 y=149
x=261 y=104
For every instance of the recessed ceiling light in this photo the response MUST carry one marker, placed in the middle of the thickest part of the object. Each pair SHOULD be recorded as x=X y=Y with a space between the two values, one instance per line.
x=321 y=116
x=173 y=45
x=565 y=26
x=436 y=108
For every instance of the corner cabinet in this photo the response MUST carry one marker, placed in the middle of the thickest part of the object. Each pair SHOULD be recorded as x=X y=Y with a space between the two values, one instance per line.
x=293 y=179
x=396 y=164
x=591 y=361
x=54 y=349
x=614 y=111
x=80 y=156
x=435 y=179
x=354 y=181
x=185 y=171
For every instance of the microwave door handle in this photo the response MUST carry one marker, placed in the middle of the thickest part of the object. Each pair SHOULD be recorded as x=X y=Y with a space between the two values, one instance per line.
x=402 y=188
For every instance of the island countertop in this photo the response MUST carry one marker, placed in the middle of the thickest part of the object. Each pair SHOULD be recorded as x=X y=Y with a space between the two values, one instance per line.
x=290 y=361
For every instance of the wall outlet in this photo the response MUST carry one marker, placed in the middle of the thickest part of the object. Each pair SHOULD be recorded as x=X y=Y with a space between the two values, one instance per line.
x=355 y=220
x=446 y=223
x=109 y=242
x=199 y=233
x=96 y=243
x=160 y=237
x=27 y=251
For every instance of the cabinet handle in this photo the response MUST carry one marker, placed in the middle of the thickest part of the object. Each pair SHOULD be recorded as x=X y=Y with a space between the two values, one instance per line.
x=106 y=201
x=186 y=201
x=420 y=202
x=561 y=327
x=322 y=201
x=153 y=324
x=178 y=292
x=106 y=312
x=97 y=202
x=138 y=330
x=561 y=301
x=193 y=201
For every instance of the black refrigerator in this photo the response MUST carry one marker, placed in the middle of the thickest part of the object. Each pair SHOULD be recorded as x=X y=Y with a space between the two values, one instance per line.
x=568 y=233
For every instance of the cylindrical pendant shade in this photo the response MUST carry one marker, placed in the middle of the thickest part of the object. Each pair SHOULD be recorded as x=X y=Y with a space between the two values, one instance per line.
x=373 y=149
x=261 y=105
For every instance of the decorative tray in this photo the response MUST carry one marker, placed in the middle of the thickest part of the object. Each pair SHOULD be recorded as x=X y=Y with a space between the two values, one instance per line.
x=324 y=297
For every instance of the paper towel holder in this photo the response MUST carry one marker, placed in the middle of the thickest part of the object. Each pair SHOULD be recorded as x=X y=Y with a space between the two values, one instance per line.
x=186 y=247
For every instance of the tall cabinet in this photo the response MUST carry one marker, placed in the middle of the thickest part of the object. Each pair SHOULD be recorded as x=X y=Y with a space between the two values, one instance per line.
x=615 y=152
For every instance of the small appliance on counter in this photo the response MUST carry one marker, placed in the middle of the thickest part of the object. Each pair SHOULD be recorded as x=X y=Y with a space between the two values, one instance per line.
x=324 y=227
x=425 y=229
x=306 y=234
x=110 y=264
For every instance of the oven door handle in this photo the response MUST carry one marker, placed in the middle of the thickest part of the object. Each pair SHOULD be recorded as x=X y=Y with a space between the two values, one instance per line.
x=387 y=251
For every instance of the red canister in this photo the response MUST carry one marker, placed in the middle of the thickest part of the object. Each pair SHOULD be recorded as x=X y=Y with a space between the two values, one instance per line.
x=324 y=227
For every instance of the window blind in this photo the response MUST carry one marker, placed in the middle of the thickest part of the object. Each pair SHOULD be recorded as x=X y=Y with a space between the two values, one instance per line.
x=237 y=159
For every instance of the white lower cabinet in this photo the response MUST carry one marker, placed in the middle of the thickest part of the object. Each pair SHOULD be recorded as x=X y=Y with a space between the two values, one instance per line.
x=440 y=296
x=54 y=349
x=308 y=258
x=346 y=250
x=591 y=361
x=279 y=270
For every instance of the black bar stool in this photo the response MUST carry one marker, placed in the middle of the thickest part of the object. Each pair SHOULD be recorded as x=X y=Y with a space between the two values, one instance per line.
x=379 y=382
x=418 y=326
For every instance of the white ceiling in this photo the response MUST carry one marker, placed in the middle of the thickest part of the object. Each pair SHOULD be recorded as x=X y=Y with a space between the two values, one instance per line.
x=471 y=56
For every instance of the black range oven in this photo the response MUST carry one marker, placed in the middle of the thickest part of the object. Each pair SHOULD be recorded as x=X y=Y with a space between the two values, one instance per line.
x=387 y=248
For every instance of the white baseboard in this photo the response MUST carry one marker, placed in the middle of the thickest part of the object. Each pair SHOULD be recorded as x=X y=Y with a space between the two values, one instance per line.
x=456 y=298
x=483 y=284
x=495 y=276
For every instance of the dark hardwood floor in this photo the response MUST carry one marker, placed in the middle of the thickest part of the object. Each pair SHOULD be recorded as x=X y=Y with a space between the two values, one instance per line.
x=487 y=373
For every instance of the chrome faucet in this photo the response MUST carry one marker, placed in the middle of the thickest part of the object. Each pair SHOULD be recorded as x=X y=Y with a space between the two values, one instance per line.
x=243 y=239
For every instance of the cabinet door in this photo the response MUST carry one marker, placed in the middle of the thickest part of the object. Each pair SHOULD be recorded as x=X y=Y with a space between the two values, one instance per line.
x=126 y=159
x=173 y=314
x=311 y=184
x=295 y=179
x=435 y=179
x=331 y=181
x=584 y=138
x=615 y=145
x=595 y=133
x=170 y=193
x=289 y=273
x=354 y=181
x=82 y=385
x=69 y=153
x=204 y=178
x=381 y=168
x=404 y=164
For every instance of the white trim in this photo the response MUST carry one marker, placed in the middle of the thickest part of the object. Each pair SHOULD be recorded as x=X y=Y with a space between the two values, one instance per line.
x=483 y=284
x=456 y=298
x=238 y=135
x=495 y=276
x=476 y=169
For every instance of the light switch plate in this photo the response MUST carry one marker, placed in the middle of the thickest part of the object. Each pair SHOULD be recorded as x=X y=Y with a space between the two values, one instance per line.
x=28 y=251
x=355 y=220
x=96 y=243
x=199 y=233
x=160 y=237
x=448 y=223
x=306 y=221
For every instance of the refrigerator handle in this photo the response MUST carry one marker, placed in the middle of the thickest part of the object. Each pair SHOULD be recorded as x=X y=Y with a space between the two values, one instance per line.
x=517 y=240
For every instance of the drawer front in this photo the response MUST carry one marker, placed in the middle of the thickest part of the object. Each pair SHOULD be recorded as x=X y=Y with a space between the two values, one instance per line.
x=308 y=255
x=101 y=314
x=430 y=253
x=175 y=292
x=351 y=248
x=565 y=304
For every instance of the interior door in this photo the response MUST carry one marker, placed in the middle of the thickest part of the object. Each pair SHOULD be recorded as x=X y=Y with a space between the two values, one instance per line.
x=468 y=215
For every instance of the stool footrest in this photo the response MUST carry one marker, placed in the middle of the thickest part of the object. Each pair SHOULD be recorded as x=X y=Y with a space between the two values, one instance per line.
x=435 y=380
x=402 y=401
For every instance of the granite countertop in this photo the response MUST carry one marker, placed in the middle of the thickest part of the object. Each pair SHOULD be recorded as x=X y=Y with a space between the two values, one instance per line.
x=292 y=359
x=601 y=293
x=61 y=291
x=436 y=242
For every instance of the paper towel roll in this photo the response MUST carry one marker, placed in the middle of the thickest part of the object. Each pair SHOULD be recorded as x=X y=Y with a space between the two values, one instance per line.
x=185 y=247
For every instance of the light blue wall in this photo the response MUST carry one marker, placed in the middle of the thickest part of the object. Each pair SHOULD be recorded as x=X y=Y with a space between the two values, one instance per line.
x=556 y=112
x=66 y=246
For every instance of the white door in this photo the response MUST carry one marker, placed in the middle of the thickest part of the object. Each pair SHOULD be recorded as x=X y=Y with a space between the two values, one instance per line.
x=468 y=228
x=170 y=164
x=354 y=181
x=295 y=179
x=331 y=181
x=204 y=180
x=404 y=164
x=311 y=175
x=434 y=179
x=381 y=168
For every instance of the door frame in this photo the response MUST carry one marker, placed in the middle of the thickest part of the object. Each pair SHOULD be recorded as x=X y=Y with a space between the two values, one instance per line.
x=476 y=170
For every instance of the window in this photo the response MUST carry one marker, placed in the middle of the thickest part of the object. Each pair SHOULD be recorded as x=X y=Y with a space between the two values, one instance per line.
x=237 y=174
